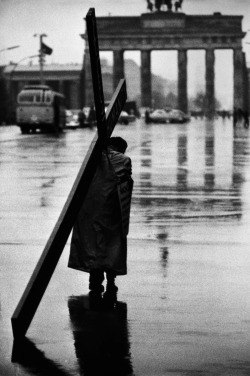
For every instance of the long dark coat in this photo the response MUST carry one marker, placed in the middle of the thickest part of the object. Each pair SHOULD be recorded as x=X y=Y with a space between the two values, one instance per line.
x=98 y=241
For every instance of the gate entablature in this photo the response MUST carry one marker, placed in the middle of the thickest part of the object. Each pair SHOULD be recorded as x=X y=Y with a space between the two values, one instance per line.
x=163 y=30
x=174 y=31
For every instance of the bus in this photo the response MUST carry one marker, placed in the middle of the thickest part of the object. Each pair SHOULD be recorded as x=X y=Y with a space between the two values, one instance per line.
x=40 y=107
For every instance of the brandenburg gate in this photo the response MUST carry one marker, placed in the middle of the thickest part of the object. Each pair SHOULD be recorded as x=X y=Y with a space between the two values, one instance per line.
x=164 y=30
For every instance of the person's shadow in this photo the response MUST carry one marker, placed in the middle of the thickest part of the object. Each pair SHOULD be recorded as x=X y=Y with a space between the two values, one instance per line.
x=101 y=338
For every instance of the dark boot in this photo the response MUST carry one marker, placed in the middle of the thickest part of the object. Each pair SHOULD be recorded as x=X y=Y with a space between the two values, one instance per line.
x=96 y=288
x=111 y=287
x=96 y=278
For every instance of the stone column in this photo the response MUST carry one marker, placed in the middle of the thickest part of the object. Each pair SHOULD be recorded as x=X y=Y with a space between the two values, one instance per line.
x=238 y=78
x=61 y=86
x=82 y=88
x=210 y=93
x=182 y=80
x=118 y=67
x=245 y=82
x=13 y=90
x=74 y=94
x=88 y=86
x=20 y=85
x=146 y=84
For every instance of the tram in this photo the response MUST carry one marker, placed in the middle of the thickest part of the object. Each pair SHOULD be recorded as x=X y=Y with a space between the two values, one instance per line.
x=40 y=107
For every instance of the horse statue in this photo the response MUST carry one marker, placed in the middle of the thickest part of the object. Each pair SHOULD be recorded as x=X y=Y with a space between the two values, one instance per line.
x=158 y=3
x=178 y=5
x=150 y=6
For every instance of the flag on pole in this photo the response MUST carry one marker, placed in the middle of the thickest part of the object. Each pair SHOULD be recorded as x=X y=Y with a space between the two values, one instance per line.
x=46 y=49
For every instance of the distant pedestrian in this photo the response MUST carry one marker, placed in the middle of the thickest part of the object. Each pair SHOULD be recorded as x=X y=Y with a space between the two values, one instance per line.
x=235 y=116
x=92 y=116
x=81 y=118
x=147 y=117
x=246 y=119
x=99 y=239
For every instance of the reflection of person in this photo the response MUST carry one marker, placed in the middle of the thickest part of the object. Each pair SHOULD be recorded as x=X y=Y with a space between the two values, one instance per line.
x=99 y=241
x=101 y=339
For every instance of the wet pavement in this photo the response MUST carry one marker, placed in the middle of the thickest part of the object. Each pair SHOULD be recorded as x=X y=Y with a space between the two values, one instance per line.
x=184 y=307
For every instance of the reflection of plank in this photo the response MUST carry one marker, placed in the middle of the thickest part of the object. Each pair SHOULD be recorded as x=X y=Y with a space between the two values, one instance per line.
x=34 y=360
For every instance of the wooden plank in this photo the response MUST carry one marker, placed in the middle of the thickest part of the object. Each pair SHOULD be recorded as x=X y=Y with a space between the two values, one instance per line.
x=45 y=267
x=116 y=105
x=96 y=74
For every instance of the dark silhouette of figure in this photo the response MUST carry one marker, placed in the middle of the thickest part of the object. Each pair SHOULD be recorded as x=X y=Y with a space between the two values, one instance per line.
x=99 y=239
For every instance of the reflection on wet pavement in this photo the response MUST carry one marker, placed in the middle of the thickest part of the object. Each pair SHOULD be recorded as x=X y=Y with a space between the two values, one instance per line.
x=190 y=173
x=27 y=355
x=101 y=338
x=185 y=302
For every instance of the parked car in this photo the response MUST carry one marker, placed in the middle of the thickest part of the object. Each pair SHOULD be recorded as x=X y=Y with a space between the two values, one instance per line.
x=124 y=118
x=159 y=116
x=177 y=116
x=72 y=119
x=131 y=117
x=86 y=110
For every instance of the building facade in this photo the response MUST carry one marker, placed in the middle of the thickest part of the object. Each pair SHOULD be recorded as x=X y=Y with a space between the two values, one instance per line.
x=66 y=79
x=172 y=31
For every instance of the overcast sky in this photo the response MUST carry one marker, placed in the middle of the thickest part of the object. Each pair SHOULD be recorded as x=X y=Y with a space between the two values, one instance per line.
x=62 y=21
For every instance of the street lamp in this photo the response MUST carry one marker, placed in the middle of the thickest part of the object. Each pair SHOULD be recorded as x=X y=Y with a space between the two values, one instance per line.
x=41 y=55
x=13 y=70
x=16 y=64
x=9 y=48
x=11 y=89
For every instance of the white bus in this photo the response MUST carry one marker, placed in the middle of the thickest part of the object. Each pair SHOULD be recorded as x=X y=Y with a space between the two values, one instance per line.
x=39 y=107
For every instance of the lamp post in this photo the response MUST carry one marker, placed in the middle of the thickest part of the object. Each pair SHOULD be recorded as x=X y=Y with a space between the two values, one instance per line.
x=16 y=64
x=9 y=48
x=41 y=56
x=11 y=90
x=14 y=68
